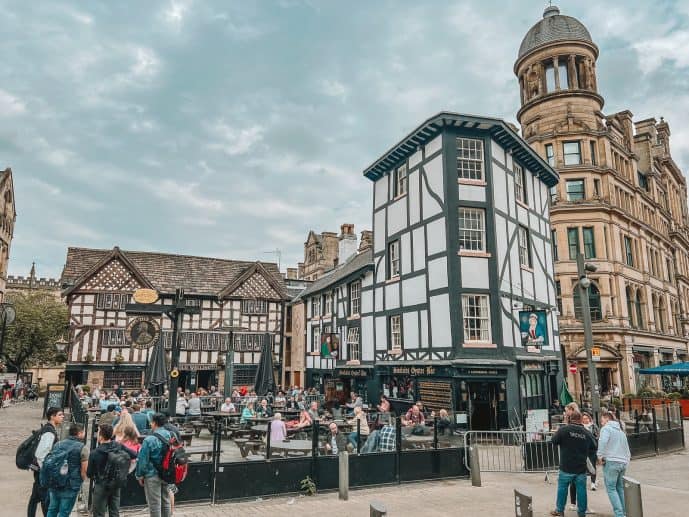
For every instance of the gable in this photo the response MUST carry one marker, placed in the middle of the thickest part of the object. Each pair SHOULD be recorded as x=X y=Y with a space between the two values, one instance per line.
x=113 y=276
x=256 y=286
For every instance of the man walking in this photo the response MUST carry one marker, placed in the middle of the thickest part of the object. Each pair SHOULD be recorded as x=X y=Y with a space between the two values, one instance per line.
x=64 y=471
x=613 y=453
x=576 y=445
x=148 y=465
x=106 y=495
x=48 y=439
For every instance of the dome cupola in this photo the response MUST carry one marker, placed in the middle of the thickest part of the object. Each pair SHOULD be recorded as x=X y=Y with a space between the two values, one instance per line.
x=552 y=28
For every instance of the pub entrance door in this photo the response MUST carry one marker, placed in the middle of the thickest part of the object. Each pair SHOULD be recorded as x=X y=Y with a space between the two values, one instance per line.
x=483 y=405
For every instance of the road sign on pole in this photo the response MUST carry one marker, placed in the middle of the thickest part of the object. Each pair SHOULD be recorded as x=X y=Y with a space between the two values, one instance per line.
x=595 y=354
x=573 y=368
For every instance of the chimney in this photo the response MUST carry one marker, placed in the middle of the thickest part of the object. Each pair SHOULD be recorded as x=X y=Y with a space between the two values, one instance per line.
x=347 y=243
x=664 y=135
x=366 y=240
x=292 y=273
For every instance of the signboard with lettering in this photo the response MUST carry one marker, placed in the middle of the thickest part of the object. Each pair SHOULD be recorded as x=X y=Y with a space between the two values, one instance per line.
x=435 y=395
x=194 y=367
x=351 y=372
x=414 y=371
x=54 y=397
x=533 y=326
x=595 y=353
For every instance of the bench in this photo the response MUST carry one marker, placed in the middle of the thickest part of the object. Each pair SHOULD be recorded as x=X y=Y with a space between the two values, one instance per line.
x=247 y=446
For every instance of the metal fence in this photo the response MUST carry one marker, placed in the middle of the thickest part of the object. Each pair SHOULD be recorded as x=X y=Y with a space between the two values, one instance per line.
x=513 y=451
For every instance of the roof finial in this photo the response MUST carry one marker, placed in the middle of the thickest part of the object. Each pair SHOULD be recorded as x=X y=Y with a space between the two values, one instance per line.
x=551 y=10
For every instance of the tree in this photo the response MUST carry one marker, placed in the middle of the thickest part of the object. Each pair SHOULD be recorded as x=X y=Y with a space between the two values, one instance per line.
x=41 y=320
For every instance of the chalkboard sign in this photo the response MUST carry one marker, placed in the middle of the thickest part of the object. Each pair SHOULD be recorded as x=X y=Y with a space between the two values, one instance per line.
x=435 y=395
x=54 y=397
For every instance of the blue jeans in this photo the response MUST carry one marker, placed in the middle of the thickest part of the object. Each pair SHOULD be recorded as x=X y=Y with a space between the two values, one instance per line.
x=563 y=481
x=61 y=503
x=613 y=473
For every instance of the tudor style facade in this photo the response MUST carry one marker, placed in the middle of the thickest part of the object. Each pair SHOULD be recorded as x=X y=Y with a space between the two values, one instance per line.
x=622 y=201
x=99 y=283
x=461 y=242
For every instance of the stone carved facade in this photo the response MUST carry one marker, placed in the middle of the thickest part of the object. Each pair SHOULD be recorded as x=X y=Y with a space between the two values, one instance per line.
x=622 y=200
x=8 y=216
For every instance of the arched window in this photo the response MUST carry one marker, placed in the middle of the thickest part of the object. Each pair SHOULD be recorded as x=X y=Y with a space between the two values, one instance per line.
x=656 y=311
x=594 y=303
x=630 y=307
x=639 y=302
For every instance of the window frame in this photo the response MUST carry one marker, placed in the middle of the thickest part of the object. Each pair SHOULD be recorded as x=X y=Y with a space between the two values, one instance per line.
x=394 y=259
x=524 y=243
x=395 y=332
x=574 y=230
x=468 y=235
x=255 y=306
x=105 y=301
x=350 y=355
x=470 y=167
x=316 y=344
x=590 y=231
x=569 y=194
x=592 y=150
x=628 y=251
x=520 y=186
x=484 y=303
x=316 y=307
x=400 y=178
x=327 y=303
x=553 y=245
x=354 y=301
x=550 y=154
x=566 y=154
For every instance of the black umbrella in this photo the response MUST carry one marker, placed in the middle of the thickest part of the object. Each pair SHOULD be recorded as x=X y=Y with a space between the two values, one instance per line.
x=265 y=380
x=156 y=369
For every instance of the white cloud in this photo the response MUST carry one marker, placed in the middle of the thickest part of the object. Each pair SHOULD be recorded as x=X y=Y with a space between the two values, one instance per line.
x=672 y=47
x=267 y=207
x=175 y=12
x=183 y=193
x=10 y=105
x=333 y=88
x=234 y=141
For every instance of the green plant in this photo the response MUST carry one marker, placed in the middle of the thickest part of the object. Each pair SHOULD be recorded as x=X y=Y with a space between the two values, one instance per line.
x=674 y=396
x=88 y=358
x=308 y=486
x=616 y=401
x=119 y=359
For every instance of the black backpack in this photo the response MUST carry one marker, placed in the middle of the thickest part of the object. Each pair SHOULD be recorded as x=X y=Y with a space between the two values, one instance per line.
x=26 y=452
x=116 y=469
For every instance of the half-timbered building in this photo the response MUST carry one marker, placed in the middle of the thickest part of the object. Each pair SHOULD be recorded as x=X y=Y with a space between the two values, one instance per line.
x=461 y=261
x=99 y=283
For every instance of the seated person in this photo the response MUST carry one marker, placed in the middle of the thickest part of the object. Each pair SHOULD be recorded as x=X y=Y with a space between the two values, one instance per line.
x=443 y=421
x=314 y=412
x=228 y=406
x=278 y=431
x=336 y=442
x=359 y=416
x=280 y=399
x=291 y=403
x=247 y=413
x=384 y=406
x=304 y=420
x=264 y=410
x=413 y=417
x=386 y=439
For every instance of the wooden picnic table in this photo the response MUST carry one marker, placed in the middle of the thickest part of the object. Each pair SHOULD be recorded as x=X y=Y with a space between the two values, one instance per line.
x=263 y=428
x=299 y=446
x=260 y=419
x=422 y=442
x=206 y=451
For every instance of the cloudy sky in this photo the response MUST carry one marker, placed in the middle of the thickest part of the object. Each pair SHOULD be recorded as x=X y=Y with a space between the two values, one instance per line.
x=229 y=129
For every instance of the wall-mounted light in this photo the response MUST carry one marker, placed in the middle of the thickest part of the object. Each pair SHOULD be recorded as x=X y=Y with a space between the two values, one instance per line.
x=502 y=385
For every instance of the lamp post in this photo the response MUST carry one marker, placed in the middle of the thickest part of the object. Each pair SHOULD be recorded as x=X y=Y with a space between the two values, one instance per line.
x=583 y=286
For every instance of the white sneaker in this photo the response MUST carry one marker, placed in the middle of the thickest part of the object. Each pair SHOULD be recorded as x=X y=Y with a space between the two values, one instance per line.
x=573 y=507
x=589 y=511
x=593 y=486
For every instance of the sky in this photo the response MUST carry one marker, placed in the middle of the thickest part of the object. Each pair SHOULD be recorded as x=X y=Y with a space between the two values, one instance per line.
x=231 y=129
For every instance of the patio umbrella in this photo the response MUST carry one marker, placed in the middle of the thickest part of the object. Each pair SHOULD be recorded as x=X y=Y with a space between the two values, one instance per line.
x=265 y=380
x=667 y=369
x=156 y=369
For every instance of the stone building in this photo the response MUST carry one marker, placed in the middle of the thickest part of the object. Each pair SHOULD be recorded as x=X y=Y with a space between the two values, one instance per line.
x=32 y=283
x=8 y=216
x=621 y=200
x=320 y=255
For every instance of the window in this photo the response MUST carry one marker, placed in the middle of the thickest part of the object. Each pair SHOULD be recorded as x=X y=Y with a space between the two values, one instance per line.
x=400 y=187
x=643 y=181
x=553 y=240
x=524 y=247
x=575 y=190
x=564 y=76
x=558 y=295
x=550 y=154
x=355 y=298
x=594 y=159
x=316 y=306
x=112 y=337
x=589 y=243
x=353 y=344
x=596 y=187
x=572 y=152
x=470 y=158
x=629 y=254
x=472 y=230
x=639 y=310
x=594 y=302
x=394 y=259
x=244 y=342
x=254 y=306
x=112 y=301
x=476 y=316
x=668 y=266
x=630 y=307
x=328 y=303
x=316 y=341
x=520 y=183
x=573 y=242
x=550 y=78
x=396 y=332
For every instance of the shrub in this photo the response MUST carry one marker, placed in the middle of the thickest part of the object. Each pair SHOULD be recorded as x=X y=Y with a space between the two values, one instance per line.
x=308 y=486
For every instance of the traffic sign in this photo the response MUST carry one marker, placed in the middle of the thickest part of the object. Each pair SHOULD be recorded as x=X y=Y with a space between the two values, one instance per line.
x=572 y=367
x=595 y=353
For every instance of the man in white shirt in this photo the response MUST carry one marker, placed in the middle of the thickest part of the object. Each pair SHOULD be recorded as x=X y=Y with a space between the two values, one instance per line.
x=45 y=445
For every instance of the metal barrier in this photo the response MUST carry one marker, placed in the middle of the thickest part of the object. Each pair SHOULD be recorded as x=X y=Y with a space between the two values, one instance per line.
x=513 y=451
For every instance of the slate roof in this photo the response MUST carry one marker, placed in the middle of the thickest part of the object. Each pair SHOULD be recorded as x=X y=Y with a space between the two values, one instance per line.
x=166 y=272
x=355 y=263
x=553 y=27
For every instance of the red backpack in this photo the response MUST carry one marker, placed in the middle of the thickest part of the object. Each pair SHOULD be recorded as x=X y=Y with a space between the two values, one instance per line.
x=173 y=466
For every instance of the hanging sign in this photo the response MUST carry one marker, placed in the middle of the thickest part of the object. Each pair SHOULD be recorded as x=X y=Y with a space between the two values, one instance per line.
x=145 y=296
x=595 y=353
x=142 y=332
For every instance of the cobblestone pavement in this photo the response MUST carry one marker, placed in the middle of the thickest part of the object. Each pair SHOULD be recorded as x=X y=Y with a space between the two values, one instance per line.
x=665 y=483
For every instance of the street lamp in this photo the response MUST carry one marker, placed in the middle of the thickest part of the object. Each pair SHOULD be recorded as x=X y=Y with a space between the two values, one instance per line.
x=583 y=285
x=61 y=345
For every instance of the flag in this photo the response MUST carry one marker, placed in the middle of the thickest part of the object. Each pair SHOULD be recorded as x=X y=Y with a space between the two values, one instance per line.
x=565 y=396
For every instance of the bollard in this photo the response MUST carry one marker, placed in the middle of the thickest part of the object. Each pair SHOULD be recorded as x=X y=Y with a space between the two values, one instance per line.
x=343 y=489
x=377 y=509
x=475 y=466
x=632 y=497
x=523 y=504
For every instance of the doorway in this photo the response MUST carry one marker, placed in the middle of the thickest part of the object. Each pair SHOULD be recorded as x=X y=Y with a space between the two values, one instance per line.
x=483 y=405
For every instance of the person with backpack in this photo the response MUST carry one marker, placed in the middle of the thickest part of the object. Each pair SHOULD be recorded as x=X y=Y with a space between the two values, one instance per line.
x=32 y=452
x=108 y=466
x=63 y=472
x=150 y=465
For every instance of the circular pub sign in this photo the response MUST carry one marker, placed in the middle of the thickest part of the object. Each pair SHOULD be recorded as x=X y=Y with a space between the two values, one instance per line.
x=145 y=296
x=142 y=332
x=572 y=367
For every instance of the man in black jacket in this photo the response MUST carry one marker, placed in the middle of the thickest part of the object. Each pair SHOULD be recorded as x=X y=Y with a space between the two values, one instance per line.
x=104 y=498
x=576 y=445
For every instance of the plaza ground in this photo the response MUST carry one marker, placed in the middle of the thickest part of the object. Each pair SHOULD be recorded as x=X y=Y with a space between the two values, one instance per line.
x=665 y=481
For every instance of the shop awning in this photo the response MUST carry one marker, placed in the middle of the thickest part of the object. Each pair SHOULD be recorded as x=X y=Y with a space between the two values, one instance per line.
x=668 y=369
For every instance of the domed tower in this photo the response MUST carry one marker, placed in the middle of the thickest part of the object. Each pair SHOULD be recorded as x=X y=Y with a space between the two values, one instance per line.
x=556 y=68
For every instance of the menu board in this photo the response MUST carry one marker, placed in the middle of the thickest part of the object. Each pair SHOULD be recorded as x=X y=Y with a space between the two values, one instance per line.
x=435 y=395
x=54 y=397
